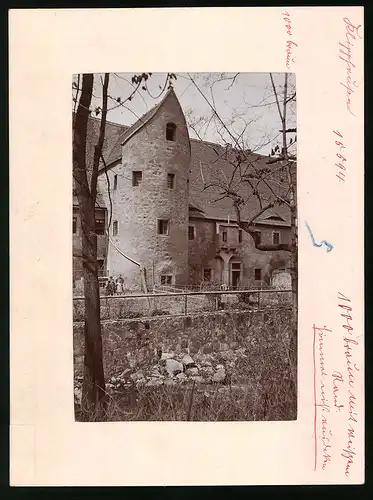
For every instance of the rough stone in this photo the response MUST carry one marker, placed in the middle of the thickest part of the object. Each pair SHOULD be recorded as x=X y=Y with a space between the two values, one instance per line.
x=167 y=355
x=137 y=376
x=191 y=371
x=188 y=361
x=174 y=367
x=109 y=388
x=219 y=376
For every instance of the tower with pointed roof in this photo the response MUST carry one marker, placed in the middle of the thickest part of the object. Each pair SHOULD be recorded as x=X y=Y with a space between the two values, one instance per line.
x=148 y=171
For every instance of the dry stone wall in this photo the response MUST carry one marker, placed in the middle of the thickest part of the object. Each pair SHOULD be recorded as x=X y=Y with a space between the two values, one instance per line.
x=206 y=348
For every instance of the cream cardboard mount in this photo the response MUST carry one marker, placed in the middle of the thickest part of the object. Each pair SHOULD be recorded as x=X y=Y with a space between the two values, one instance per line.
x=323 y=46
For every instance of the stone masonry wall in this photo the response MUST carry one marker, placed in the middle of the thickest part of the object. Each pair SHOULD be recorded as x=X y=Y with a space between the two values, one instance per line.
x=203 y=250
x=130 y=346
x=137 y=208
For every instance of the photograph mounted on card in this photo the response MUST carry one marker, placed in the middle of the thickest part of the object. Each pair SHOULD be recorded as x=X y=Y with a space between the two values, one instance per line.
x=188 y=307
x=185 y=246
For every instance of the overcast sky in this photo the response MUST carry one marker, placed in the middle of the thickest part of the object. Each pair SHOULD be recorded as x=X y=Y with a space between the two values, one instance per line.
x=242 y=104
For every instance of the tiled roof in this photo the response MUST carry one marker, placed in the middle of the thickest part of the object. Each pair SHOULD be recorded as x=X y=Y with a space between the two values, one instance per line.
x=208 y=166
x=100 y=202
x=112 y=132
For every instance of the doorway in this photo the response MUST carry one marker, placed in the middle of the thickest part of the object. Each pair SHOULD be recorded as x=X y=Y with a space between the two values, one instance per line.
x=235 y=274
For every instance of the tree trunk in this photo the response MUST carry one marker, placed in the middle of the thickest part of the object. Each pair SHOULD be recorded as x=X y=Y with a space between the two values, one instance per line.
x=93 y=381
x=93 y=400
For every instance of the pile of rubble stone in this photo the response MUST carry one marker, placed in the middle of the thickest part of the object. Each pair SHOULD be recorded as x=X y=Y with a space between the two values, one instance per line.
x=174 y=369
x=171 y=371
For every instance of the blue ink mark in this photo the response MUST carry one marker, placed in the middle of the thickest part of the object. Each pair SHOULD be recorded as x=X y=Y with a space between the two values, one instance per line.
x=328 y=245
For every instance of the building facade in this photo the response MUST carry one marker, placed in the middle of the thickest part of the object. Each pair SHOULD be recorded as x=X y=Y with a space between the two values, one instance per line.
x=156 y=219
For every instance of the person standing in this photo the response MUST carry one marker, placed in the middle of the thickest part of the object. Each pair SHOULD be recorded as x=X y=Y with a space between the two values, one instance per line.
x=110 y=287
x=121 y=284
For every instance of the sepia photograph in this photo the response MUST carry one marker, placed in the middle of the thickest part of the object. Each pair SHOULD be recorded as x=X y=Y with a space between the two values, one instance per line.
x=184 y=246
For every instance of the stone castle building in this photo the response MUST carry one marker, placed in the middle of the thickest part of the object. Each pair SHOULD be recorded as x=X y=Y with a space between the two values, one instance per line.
x=165 y=213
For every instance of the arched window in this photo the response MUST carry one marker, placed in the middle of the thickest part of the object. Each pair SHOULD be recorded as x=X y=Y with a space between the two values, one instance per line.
x=170 y=131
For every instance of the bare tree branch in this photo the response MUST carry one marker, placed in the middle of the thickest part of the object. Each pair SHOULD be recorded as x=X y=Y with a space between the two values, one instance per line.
x=101 y=137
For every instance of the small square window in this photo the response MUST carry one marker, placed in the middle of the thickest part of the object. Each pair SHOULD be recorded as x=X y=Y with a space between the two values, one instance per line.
x=191 y=233
x=100 y=225
x=163 y=226
x=257 y=274
x=115 y=228
x=166 y=279
x=171 y=181
x=224 y=235
x=115 y=181
x=276 y=238
x=74 y=224
x=136 y=177
x=236 y=266
x=207 y=273
x=240 y=236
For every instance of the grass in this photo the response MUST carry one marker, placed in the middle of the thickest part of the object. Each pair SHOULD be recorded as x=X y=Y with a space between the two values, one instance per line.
x=261 y=386
x=194 y=403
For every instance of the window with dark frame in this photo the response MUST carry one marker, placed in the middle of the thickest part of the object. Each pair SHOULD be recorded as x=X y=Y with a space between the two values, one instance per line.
x=258 y=274
x=166 y=279
x=115 y=228
x=170 y=131
x=207 y=274
x=136 y=177
x=75 y=219
x=170 y=181
x=191 y=233
x=236 y=266
x=258 y=237
x=100 y=265
x=240 y=236
x=224 y=236
x=276 y=238
x=163 y=226
x=115 y=181
x=100 y=225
